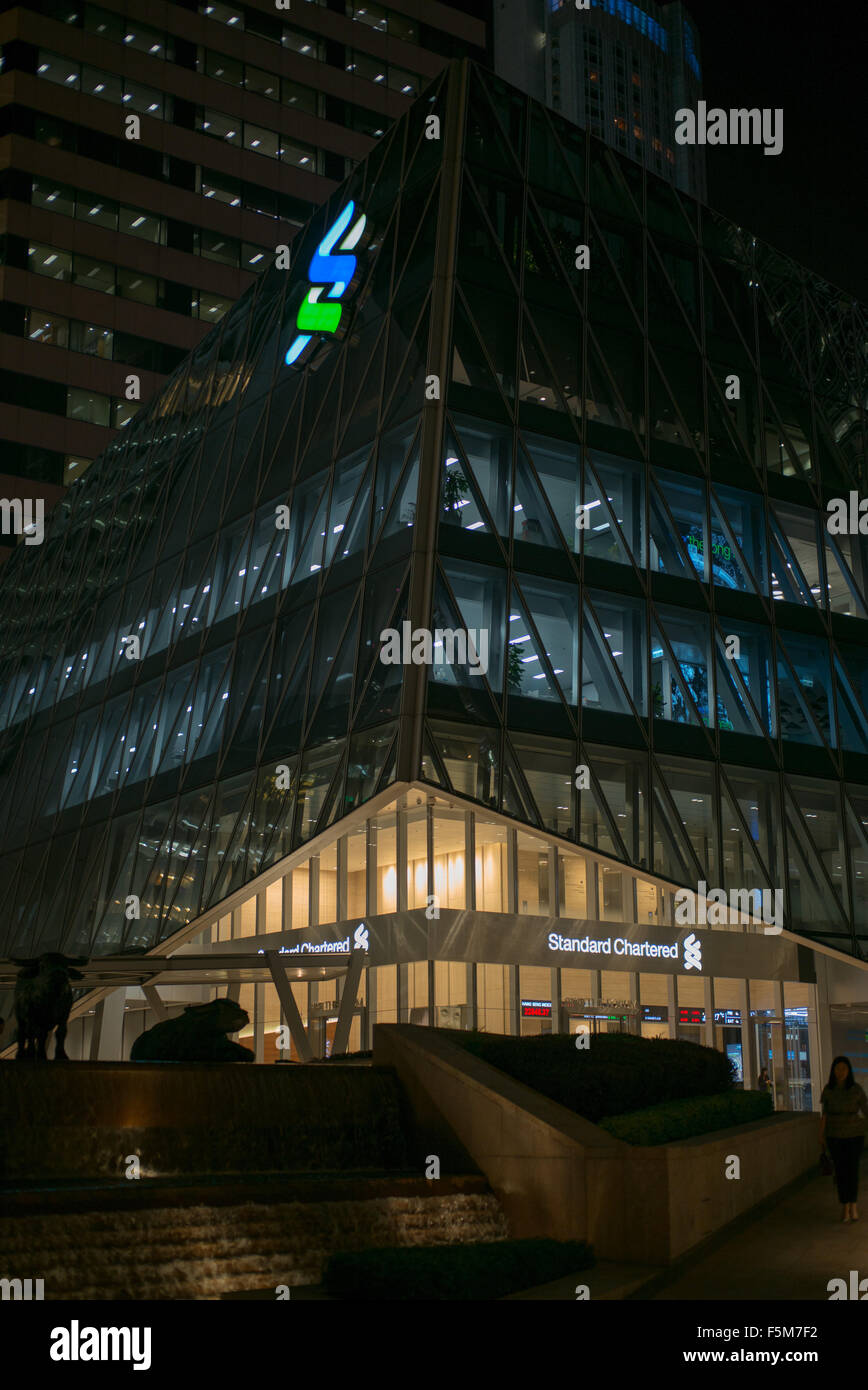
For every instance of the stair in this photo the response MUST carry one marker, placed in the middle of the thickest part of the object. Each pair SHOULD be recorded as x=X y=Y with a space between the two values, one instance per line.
x=205 y=1251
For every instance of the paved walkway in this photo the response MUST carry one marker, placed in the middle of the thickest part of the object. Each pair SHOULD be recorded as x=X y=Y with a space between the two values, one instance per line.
x=790 y=1252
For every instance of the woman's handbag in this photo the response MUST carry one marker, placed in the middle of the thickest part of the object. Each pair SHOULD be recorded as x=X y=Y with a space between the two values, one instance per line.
x=827 y=1167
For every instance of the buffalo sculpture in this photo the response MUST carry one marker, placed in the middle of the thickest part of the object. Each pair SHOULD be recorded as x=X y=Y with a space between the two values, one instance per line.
x=43 y=999
x=197 y=1035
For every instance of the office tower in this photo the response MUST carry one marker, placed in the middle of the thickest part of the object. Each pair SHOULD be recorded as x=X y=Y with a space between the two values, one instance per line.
x=222 y=717
x=620 y=69
x=119 y=253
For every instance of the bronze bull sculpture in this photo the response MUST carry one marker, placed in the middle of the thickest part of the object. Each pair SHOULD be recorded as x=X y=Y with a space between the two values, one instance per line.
x=197 y=1035
x=43 y=999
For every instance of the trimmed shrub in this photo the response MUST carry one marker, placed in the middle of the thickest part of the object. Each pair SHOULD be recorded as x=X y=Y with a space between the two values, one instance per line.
x=684 y=1119
x=481 y=1270
x=619 y=1072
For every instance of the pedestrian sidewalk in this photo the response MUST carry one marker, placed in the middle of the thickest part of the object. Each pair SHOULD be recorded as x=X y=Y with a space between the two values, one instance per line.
x=789 y=1252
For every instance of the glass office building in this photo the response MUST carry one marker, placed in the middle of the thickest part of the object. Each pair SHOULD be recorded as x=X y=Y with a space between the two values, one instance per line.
x=611 y=468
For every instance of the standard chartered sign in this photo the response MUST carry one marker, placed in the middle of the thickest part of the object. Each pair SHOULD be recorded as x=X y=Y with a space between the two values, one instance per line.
x=621 y=946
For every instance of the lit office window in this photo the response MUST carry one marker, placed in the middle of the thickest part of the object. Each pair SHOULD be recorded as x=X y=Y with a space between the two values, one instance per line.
x=374 y=15
x=255 y=257
x=300 y=98
x=47 y=260
x=223 y=14
x=54 y=68
x=92 y=339
x=97 y=211
x=89 y=406
x=218 y=125
x=223 y=69
x=146 y=100
x=263 y=84
x=105 y=85
x=142 y=224
x=219 y=187
x=405 y=82
x=262 y=141
x=302 y=155
x=211 y=307
x=123 y=412
x=305 y=44
x=132 y=285
x=93 y=275
x=54 y=197
x=145 y=39
x=50 y=329
x=216 y=247
x=105 y=23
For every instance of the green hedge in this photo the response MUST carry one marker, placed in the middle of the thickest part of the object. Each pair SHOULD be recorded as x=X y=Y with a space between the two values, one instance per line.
x=490 y=1269
x=619 y=1071
x=683 y=1119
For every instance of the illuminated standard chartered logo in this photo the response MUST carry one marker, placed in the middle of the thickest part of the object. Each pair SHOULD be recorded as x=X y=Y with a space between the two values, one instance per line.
x=326 y=269
x=360 y=938
x=692 y=953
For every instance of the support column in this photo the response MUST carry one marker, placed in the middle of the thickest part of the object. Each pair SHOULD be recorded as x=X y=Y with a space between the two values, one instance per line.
x=371 y=868
x=633 y=991
x=514 y=1014
x=672 y=1006
x=512 y=871
x=473 y=994
x=823 y=1030
x=401 y=857
x=286 y=902
x=289 y=1013
x=342 y=896
x=348 y=1002
x=749 y=1063
x=155 y=1003
x=370 y=1005
x=259 y=1023
x=555 y=988
x=470 y=860
x=708 y=1003
x=592 y=875
x=106 y=1043
x=779 y=1053
x=313 y=890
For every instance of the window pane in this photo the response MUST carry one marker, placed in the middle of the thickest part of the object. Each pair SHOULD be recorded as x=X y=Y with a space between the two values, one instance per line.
x=145 y=39
x=405 y=82
x=223 y=68
x=132 y=285
x=301 y=98
x=211 y=307
x=105 y=23
x=147 y=100
x=94 y=275
x=54 y=197
x=140 y=224
x=254 y=257
x=102 y=212
x=305 y=44
x=92 y=339
x=45 y=260
x=87 y=405
x=260 y=140
x=264 y=84
x=302 y=155
x=216 y=247
x=47 y=328
x=56 y=69
x=123 y=412
x=96 y=83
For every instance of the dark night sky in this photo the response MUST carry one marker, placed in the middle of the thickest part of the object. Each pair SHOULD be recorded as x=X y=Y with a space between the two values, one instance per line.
x=809 y=57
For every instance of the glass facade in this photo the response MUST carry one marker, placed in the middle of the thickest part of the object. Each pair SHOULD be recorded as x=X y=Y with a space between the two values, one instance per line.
x=193 y=688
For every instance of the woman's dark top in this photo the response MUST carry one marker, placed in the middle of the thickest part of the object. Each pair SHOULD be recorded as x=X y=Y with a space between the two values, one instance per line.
x=842 y=1106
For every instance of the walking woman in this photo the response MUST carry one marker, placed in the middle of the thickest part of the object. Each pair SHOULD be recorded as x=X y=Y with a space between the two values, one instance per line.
x=842 y=1131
